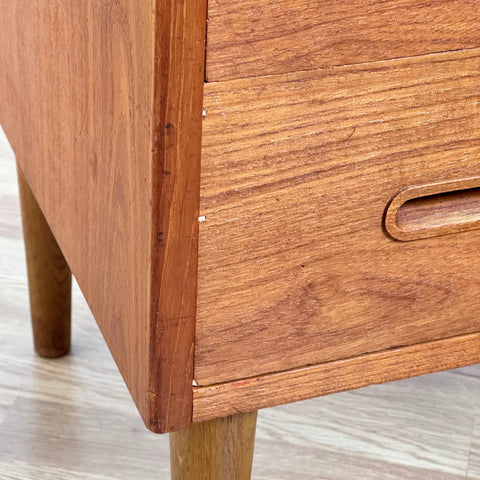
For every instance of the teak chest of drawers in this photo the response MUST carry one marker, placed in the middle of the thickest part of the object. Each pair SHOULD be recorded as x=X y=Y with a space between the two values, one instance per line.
x=282 y=205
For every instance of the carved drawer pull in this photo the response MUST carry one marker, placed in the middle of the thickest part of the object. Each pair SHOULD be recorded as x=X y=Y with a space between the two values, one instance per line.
x=423 y=211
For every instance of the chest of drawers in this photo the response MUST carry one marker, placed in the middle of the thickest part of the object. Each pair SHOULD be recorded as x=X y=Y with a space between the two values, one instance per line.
x=262 y=201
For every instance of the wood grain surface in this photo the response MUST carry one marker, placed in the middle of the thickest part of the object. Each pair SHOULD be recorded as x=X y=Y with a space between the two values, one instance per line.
x=49 y=279
x=219 y=449
x=101 y=102
x=251 y=38
x=108 y=95
x=63 y=419
x=328 y=378
x=297 y=170
x=180 y=30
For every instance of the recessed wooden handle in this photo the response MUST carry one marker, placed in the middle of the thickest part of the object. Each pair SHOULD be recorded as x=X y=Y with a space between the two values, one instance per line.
x=423 y=211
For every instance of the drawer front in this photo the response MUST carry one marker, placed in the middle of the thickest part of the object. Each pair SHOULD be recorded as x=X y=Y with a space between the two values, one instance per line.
x=295 y=267
x=252 y=38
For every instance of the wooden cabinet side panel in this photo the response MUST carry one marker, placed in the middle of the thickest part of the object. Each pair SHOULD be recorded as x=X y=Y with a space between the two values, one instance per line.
x=76 y=107
x=297 y=170
x=97 y=100
x=252 y=38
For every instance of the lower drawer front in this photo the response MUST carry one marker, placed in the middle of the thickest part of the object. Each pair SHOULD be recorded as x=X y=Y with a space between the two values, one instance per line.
x=295 y=266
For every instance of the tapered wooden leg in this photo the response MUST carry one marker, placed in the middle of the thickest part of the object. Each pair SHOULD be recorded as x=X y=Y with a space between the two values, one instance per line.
x=49 y=279
x=220 y=449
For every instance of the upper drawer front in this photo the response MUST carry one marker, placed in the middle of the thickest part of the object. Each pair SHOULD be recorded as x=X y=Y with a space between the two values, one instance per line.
x=297 y=170
x=251 y=38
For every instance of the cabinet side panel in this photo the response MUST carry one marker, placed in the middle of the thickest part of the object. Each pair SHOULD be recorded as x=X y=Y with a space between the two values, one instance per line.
x=76 y=106
x=97 y=100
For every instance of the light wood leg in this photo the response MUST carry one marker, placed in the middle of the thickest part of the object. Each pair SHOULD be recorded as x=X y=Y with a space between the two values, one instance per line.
x=49 y=279
x=219 y=449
